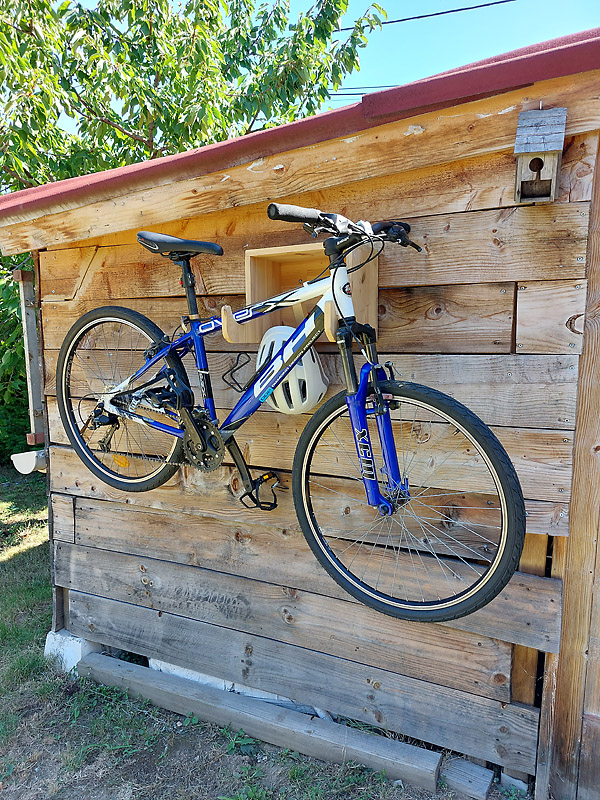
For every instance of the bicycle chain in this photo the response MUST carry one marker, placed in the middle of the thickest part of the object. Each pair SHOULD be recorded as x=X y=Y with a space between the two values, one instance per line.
x=215 y=463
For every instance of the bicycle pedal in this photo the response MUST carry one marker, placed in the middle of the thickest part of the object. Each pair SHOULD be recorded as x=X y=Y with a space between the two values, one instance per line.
x=253 y=495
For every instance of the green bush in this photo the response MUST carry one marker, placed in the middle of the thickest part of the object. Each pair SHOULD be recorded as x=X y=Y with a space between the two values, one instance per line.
x=14 y=415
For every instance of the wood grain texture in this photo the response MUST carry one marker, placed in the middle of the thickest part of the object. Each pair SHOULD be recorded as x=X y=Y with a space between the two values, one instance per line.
x=472 y=183
x=583 y=540
x=340 y=628
x=452 y=319
x=589 y=771
x=550 y=316
x=516 y=391
x=502 y=733
x=63 y=519
x=240 y=543
x=286 y=728
x=541 y=458
x=476 y=128
x=522 y=243
x=447 y=319
x=467 y=778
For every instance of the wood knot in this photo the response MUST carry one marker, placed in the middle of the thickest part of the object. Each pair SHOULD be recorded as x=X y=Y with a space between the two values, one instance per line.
x=287 y=617
x=499 y=678
x=571 y=322
x=435 y=312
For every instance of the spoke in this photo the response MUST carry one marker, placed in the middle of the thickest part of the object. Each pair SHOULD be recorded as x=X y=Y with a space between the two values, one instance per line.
x=431 y=531
x=462 y=524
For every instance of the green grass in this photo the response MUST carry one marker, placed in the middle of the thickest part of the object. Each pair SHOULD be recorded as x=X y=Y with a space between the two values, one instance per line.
x=25 y=591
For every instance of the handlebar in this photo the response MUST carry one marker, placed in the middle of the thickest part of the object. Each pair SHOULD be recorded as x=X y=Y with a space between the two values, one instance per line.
x=316 y=221
x=287 y=213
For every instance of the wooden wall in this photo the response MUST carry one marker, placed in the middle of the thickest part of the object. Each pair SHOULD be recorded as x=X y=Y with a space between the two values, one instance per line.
x=492 y=313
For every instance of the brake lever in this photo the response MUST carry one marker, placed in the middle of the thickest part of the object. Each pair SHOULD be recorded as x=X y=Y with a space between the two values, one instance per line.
x=399 y=235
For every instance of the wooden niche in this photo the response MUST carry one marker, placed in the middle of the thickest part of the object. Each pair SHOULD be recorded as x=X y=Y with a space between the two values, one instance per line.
x=273 y=270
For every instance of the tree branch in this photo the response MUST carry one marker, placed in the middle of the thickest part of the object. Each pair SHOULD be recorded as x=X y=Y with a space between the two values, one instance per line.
x=94 y=115
x=27 y=184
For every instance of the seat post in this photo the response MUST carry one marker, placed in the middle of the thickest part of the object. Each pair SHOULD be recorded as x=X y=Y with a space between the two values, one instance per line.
x=188 y=282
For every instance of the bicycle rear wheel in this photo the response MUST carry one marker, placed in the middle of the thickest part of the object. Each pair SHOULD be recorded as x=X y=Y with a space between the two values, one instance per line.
x=458 y=526
x=102 y=350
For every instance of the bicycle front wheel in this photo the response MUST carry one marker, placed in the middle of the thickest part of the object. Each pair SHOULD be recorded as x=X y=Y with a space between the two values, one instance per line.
x=456 y=533
x=104 y=348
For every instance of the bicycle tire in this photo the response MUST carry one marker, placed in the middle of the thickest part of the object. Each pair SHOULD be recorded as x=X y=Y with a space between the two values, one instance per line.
x=471 y=561
x=99 y=338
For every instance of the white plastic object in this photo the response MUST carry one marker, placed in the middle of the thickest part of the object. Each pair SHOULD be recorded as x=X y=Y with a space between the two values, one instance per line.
x=304 y=385
x=31 y=461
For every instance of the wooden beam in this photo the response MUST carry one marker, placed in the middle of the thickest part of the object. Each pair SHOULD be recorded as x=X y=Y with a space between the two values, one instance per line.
x=312 y=736
x=33 y=353
x=583 y=540
x=491 y=124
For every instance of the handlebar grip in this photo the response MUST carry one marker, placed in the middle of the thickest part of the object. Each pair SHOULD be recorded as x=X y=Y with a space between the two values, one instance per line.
x=287 y=213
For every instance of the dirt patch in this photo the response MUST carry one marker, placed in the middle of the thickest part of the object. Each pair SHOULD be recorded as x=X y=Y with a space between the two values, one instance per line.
x=74 y=740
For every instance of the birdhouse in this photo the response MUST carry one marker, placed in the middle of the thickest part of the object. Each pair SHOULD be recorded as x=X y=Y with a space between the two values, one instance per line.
x=538 y=148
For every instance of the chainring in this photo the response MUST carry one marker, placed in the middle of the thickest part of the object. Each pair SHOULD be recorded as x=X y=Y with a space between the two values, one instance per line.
x=203 y=443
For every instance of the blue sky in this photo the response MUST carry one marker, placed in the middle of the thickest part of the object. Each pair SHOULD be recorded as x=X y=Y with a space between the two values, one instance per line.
x=408 y=51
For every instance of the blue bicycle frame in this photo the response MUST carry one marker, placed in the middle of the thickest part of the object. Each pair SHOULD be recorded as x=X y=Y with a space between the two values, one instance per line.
x=274 y=372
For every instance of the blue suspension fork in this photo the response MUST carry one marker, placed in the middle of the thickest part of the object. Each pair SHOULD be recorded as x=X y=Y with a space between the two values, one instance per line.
x=356 y=400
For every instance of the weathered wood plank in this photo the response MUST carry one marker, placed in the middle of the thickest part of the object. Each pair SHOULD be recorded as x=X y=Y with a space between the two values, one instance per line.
x=430 y=652
x=63 y=519
x=491 y=125
x=447 y=319
x=467 y=778
x=451 y=319
x=522 y=243
x=518 y=391
x=502 y=733
x=482 y=182
x=226 y=539
x=581 y=556
x=286 y=728
x=542 y=458
x=546 y=517
x=550 y=316
x=589 y=769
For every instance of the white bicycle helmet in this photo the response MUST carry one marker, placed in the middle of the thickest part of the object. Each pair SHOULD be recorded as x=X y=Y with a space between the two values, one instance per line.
x=304 y=385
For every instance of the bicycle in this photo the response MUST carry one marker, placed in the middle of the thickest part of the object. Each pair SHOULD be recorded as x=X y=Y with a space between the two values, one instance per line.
x=405 y=497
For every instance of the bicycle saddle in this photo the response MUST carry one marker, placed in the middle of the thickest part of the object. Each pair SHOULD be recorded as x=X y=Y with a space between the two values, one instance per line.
x=165 y=245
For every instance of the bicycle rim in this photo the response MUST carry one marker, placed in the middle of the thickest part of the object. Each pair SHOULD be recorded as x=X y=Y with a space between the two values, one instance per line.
x=103 y=354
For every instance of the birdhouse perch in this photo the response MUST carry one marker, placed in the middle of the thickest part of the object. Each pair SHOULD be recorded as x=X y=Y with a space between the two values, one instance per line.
x=538 y=148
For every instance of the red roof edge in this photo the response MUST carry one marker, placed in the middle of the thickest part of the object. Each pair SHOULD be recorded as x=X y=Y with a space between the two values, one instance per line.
x=564 y=56
x=567 y=55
